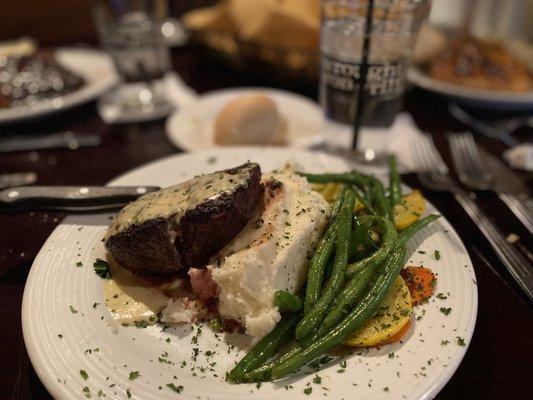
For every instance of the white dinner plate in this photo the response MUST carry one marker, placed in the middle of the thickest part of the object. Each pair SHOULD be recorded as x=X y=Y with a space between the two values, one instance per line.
x=93 y=65
x=191 y=127
x=67 y=327
x=475 y=97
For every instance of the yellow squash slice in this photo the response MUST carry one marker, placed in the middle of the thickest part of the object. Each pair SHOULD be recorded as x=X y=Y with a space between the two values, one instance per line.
x=391 y=317
x=410 y=210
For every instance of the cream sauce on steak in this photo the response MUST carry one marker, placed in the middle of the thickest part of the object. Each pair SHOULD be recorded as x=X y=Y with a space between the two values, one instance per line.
x=175 y=201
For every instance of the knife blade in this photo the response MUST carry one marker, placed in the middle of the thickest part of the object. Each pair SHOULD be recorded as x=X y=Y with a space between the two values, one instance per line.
x=17 y=179
x=68 y=139
x=70 y=198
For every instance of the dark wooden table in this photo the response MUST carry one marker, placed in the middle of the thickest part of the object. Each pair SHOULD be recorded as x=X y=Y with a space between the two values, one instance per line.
x=499 y=361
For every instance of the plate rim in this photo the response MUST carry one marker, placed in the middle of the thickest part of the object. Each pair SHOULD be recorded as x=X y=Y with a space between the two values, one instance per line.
x=50 y=382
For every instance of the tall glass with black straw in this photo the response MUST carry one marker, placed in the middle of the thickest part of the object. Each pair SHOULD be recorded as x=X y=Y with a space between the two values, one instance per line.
x=365 y=49
x=363 y=73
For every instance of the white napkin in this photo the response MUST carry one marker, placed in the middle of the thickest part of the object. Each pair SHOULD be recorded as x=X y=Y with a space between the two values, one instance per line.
x=520 y=156
x=395 y=139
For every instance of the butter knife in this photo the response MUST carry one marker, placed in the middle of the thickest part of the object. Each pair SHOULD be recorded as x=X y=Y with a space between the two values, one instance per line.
x=70 y=198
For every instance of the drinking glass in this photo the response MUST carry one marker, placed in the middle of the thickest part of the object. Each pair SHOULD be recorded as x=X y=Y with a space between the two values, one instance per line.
x=366 y=45
x=130 y=31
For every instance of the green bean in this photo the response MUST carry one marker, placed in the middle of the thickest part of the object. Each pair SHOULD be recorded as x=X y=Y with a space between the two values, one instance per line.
x=382 y=205
x=367 y=207
x=409 y=232
x=349 y=297
x=395 y=183
x=287 y=301
x=315 y=274
x=358 y=235
x=264 y=372
x=368 y=305
x=266 y=347
x=337 y=205
x=352 y=178
x=387 y=242
x=317 y=265
x=311 y=321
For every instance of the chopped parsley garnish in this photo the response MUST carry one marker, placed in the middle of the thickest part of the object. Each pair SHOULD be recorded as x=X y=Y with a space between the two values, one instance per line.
x=317 y=379
x=73 y=310
x=444 y=342
x=79 y=264
x=441 y=296
x=385 y=389
x=134 y=375
x=343 y=364
x=308 y=390
x=141 y=324
x=128 y=393
x=84 y=374
x=445 y=310
x=216 y=324
x=177 y=389
x=461 y=341
x=437 y=255
x=195 y=353
x=322 y=360
x=101 y=268
x=391 y=355
x=87 y=392
x=167 y=340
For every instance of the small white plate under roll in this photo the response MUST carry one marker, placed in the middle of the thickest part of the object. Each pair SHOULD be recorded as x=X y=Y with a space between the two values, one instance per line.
x=67 y=327
x=192 y=126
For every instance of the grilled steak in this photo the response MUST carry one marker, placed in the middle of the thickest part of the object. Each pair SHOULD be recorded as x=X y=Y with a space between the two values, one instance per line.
x=184 y=225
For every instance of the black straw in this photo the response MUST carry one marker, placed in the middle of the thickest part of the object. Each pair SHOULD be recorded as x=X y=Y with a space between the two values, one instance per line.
x=363 y=73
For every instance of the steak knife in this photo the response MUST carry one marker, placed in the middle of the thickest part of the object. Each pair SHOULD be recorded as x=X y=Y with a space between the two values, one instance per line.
x=70 y=198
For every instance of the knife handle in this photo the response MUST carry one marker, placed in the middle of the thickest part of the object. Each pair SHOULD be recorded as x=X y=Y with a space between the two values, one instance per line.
x=70 y=198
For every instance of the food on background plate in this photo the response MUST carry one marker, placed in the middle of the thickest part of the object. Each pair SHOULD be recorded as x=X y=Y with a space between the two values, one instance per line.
x=480 y=63
x=28 y=75
x=287 y=23
x=253 y=119
x=298 y=270
x=429 y=44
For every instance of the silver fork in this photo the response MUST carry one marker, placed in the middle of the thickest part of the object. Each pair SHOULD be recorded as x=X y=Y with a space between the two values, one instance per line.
x=473 y=174
x=433 y=174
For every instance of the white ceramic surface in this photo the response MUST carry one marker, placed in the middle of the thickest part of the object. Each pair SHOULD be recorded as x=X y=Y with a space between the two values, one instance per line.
x=191 y=127
x=415 y=369
x=481 y=98
x=93 y=65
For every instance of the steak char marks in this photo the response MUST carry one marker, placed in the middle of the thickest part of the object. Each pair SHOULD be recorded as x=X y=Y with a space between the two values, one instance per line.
x=184 y=225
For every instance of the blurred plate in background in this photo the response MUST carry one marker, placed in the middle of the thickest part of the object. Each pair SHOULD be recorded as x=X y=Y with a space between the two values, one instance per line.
x=470 y=96
x=93 y=65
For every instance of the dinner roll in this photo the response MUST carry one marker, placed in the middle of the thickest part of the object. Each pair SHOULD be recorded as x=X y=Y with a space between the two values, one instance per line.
x=251 y=119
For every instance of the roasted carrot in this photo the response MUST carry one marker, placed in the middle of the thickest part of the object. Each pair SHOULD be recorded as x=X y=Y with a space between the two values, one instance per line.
x=420 y=281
